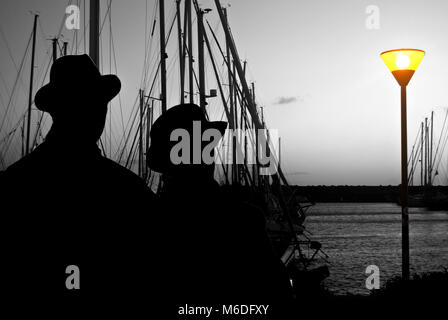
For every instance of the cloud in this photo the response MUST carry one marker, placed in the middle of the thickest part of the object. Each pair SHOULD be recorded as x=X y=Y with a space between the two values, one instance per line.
x=288 y=100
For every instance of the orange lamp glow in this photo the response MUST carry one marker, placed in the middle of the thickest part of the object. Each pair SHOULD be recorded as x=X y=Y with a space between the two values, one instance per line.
x=403 y=63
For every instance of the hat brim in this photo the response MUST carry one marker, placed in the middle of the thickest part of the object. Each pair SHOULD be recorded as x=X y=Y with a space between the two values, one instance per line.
x=106 y=87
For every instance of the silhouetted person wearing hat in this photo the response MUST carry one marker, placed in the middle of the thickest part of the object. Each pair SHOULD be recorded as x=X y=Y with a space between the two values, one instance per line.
x=66 y=204
x=215 y=249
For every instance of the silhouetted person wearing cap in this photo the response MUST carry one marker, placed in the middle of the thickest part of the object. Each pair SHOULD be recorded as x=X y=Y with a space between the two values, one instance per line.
x=215 y=249
x=69 y=205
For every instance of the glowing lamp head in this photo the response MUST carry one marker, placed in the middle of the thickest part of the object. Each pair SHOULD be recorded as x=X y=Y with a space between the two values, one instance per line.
x=403 y=63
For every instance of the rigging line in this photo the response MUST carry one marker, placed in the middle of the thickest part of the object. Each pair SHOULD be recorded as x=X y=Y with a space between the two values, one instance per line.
x=148 y=47
x=84 y=24
x=110 y=70
x=15 y=83
x=10 y=121
x=441 y=134
x=226 y=61
x=154 y=69
x=137 y=131
x=125 y=137
x=2 y=101
x=134 y=155
x=155 y=55
x=82 y=38
x=10 y=136
x=119 y=95
x=152 y=56
x=169 y=32
x=63 y=21
x=135 y=110
x=146 y=41
x=132 y=151
x=42 y=71
x=44 y=35
x=39 y=123
x=104 y=18
x=443 y=149
x=39 y=130
x=78 y=4
x=129 y=125
x=166 y=41
x=14 y=128
x=8 y=47
x=41 y=120
x=414 y=164
x=73 y=45
x=413 y=146
x=11 y=56
x=100 y=67
x=5 y=86
x=150 y=69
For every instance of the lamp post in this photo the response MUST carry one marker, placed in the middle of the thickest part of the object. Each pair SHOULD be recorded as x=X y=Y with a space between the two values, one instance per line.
x=403 y=63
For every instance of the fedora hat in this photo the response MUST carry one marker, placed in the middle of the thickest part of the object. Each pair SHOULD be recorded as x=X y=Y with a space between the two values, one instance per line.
x=75 y=75
x=178 y=117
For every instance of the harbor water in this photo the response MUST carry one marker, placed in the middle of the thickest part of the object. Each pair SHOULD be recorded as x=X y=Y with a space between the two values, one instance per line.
x=356 y=235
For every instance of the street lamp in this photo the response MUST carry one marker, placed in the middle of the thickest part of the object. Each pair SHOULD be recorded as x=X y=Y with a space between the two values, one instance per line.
x=403 y=63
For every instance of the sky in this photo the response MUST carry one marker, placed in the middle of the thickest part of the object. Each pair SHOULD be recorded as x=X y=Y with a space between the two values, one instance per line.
x=316 y=67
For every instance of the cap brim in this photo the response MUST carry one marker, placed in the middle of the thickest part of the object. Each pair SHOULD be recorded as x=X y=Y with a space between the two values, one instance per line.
x=43 y=97
x=111 y=85
x=221 y=126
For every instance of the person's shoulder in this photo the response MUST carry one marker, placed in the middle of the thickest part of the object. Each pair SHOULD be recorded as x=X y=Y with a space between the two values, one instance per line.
x=245 y=212
x=118 y=168
x=25 y=164
x=253 y=213
x=124 y=174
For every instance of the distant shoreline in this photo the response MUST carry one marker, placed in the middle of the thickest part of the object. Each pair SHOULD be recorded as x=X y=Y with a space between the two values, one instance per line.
x=359 y=193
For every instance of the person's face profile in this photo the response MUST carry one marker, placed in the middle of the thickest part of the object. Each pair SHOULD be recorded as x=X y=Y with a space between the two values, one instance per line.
x=83 y=116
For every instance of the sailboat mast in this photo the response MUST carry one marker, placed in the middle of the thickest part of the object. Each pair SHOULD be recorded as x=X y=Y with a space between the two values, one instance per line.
x=181 y=52
x=421 y=159
x=279 y=151
x=140 y=145
x=94 y=33
x=430 y=149
x=200 y=16
x=255 y=165
x=232 y=112
x=64 y=48
x=30 y=97
x=238 y=66
x=190 y=50
x=55 y=48
x=162 y=54
x=426 y=151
